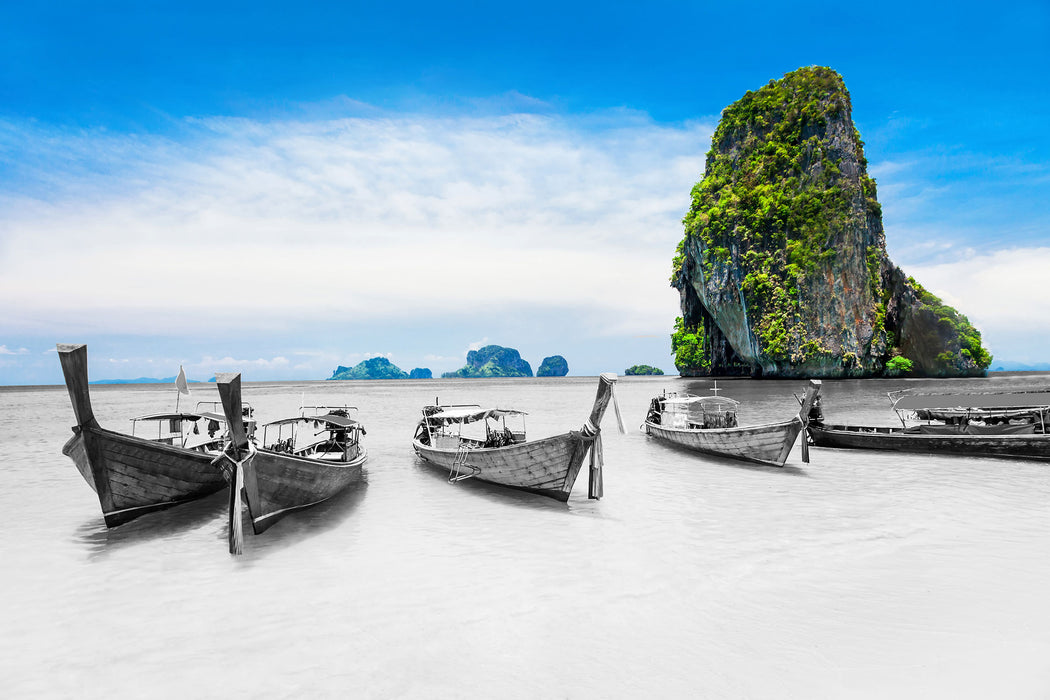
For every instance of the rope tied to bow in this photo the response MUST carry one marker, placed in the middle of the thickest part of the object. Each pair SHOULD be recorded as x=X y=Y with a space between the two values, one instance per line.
x=234 y=463
x=235 y=474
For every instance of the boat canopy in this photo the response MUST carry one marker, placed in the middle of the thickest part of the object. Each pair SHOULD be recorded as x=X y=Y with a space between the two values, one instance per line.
x=172 y=416
x=718 y=402
x=706 y=402
x=1032 y=400
x=471 y=414
x=330 y=419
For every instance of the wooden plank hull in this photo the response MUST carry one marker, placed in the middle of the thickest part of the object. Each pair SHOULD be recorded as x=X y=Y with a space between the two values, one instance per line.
x=895 y=439
x=548 y=466
x=133 y=476
x=765 y=444
x=276 y=483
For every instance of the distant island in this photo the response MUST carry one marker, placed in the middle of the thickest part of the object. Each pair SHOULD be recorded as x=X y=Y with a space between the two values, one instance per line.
x=489 y=361
x=374 y=368
x=636 y=370
x=492 y=361
x=554 y=366
x=146 y=380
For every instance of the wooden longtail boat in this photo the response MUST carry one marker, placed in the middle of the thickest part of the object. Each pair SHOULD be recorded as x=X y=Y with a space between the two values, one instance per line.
x=708 y=424
x=131 y=475
x=286 y=474
x=503 y=456
x=1010 y=425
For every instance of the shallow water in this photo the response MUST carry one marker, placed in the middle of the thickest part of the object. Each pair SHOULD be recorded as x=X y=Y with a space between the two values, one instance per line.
x=857 y=575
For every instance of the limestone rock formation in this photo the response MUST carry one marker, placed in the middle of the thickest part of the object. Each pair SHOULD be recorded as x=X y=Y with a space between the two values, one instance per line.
x=374 y=368
x=493 y=361
x=554 y=366
x=638 y=370
x=421 y=373
x=783 y=269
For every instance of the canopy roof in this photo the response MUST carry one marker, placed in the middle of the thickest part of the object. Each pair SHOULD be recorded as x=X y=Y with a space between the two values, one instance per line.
x=723 y=402
x=329 y=419
x=471 y=414
x=171 y=416
x=1032 y=399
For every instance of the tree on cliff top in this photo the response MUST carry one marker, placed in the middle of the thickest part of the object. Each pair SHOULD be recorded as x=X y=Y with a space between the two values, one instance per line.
x=784 y=255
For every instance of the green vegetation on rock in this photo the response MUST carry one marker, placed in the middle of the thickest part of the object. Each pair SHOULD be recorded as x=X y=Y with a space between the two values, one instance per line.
x=688 y=347
x=638 y=370
x=421 y=373
x=493 y=361
x=898 y=365
x=374 y=368
x=554 y=366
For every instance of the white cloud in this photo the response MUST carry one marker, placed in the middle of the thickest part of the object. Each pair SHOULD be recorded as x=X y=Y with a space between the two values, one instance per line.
x=223 y=363
x=4 y=350
x=246 y=226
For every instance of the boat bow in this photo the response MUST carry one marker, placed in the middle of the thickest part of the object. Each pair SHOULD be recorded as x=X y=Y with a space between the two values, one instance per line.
x=591 y=436
x=239 y=452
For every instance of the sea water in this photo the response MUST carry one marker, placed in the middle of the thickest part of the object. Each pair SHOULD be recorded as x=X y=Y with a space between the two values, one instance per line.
x=859 y=574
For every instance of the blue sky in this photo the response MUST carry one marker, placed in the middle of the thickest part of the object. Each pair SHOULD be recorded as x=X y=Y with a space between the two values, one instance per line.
x=278 y=189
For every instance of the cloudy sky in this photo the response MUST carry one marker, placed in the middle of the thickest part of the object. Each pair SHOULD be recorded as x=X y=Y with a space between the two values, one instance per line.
x=279 y=190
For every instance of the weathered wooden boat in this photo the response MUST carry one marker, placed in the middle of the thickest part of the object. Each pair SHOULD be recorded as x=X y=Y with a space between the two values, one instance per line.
x=1005 y=424
x=472 y=442
x=132 y=475
x=708 y=424
x=303 y=461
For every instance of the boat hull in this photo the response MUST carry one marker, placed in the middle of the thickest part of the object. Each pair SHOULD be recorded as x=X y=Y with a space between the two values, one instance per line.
x=276 y=483
x=548 y=466
x=768 y=444
x=1032 y=446
x=133 y=476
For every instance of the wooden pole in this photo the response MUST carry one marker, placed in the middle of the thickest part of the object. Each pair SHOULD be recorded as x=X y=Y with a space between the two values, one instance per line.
x=812 y=392
x=595 y=484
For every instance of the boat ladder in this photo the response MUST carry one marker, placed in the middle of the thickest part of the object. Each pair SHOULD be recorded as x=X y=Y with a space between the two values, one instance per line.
x=459 y=469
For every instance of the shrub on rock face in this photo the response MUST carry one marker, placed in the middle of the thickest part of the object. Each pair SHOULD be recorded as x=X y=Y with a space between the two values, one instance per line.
x=554 y=366
x=898 y=365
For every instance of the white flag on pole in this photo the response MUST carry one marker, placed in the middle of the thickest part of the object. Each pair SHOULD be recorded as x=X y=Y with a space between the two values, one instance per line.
x=180 y=382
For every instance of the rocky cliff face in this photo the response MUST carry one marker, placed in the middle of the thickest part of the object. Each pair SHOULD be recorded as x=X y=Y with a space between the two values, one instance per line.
x=783 y=270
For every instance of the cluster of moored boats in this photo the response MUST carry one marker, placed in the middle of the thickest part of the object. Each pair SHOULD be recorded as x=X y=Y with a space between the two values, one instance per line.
x=299 y=461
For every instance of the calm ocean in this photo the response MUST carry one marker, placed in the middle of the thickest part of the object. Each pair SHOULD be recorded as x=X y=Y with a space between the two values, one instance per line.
x=858 y=575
